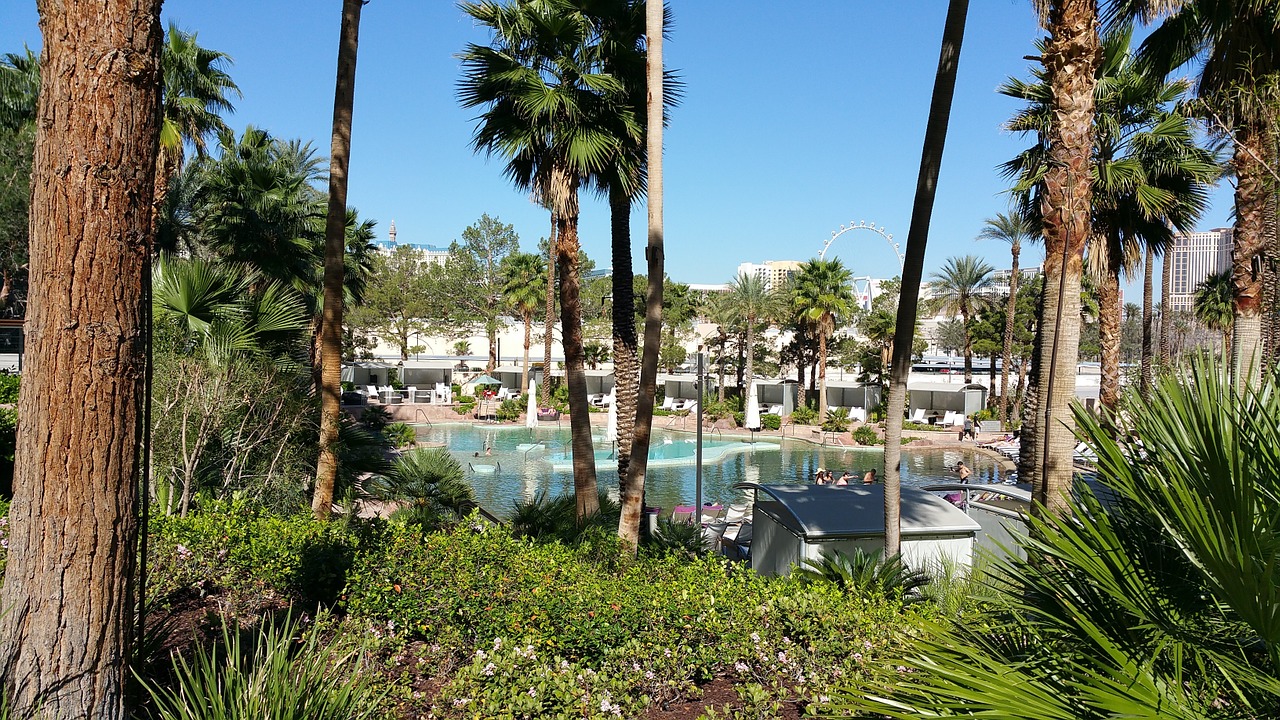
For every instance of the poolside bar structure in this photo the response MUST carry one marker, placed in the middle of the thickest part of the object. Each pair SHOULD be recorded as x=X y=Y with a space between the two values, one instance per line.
x=794 y=523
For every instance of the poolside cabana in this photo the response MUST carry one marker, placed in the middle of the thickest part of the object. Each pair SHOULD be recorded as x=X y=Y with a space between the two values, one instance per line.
x=682 y=386
x=943 y=397
x=852 y=394
x=367 y=372
x=793 y=523
x=424 y=374
x=773 y=393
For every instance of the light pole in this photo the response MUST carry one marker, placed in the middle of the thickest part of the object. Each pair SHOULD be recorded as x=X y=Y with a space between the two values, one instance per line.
x=697 y=500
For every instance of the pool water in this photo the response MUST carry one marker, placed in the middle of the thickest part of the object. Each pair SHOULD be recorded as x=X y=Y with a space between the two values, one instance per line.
x=523 y=463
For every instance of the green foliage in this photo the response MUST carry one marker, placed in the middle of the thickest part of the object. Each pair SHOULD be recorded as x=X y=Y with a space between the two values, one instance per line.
x=770 y=421
x=281 y=671
x=1155 y=597
x=866 y=435
x=573 y=624
x=987 y=413
x=836 y=421
x=865 y=573
x=683 y=539
x=547 y=519
x=804 y=415
x=431 y=485
x=236 y=546
x=511 y=408
x=472 y=279
x=375 y=418
x=9 y=388
x=400 y=434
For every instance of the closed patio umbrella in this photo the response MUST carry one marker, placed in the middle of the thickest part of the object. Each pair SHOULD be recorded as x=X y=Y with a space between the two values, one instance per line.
x=531 y=412
x=752 y=419
x=611 y=427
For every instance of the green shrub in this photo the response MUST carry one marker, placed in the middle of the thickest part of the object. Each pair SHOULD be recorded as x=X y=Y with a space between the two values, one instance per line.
x=863 y=573
x=465 y=406
x=272 y=673
x=430 y=486
x=835 y=422
x=989 y=413
x=375 y=417
x=400 y=434
x=511 y=408
x=804 y=415
x=9 y=388
x=866 y=435
x=771 y=421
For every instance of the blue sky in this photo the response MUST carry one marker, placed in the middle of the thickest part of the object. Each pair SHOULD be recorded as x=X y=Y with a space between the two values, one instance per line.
x=798 y=117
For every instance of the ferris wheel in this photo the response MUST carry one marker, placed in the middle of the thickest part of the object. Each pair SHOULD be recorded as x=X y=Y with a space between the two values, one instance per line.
x=863 y=225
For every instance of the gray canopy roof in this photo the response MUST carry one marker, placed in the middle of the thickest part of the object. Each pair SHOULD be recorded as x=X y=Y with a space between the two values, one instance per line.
x=817 y=512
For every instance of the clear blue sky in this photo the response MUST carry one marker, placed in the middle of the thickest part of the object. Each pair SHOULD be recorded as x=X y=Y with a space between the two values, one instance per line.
x=797 y=117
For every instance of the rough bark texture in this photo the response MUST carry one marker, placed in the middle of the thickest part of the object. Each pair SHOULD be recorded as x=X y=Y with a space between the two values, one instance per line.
x=550 y=327
x=335 y=235
x=1166 y=317
x=584 y=459
x=1071 y=58
x=633 y=501
x=528 y=340
x=822 y=375
x=1109 y=324
x=935 y=137
x=626 y=360
x=68 y=593
x=1248 y=240
x=1148 y=328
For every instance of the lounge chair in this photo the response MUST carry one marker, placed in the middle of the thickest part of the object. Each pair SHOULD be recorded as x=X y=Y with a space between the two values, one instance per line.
x=682 y=514
x=712 y=514
x=594 y=399
x=370 y=392
x=735 y=543
x=737 y=514
x=442 y=393
x=918 y=416
x=668 y=403
x=692 y=407
x=775 y=410
x=949 y=419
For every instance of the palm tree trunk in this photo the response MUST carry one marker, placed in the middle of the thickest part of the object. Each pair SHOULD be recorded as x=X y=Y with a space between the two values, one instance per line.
x=633 y=501
x=1071 y=57
x=550 y=329
x=334 y=266
x=1006 y=357
x=968 y=347
x=584 y=458
x=1109 y=321
x=750 y=342
x=69 y=591
x=1148 y=335
x=822 y=376
x=1166 y=316
x=626 y=360
x=800 y=365
x=528 y=340
x=935 y=136
x=1030 y=449
x=1248 y=240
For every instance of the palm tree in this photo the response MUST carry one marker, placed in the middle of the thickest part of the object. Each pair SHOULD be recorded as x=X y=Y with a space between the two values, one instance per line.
x=193 y=98
x=1015 y=228
x=1148 y=177
x=19 y=89
x=523 y=292
x=1238 y=91
x=335 y=244
x=754 y=304
x=960 y=289
x=629 y=520
x=545 y=100
x=935 y=137
x=823 y=296
x=1214 y=306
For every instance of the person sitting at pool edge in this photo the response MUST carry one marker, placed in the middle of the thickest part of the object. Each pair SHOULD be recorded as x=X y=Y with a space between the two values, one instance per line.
x=870 y=477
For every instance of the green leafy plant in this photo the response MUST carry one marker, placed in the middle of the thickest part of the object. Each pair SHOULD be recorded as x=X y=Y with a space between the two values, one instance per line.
x=835 y=422
x=279 y=671
x=375 y=418
x=9 y=388
x=511 y=408
x=683 y=539
x=866 y=435
x=430 y=485
x=771 y=421
x=546 y=518
x=400 y=434
x=863 y=573
x=804 y=416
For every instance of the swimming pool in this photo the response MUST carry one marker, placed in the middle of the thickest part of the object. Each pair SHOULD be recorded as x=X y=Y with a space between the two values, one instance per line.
x=524 y=463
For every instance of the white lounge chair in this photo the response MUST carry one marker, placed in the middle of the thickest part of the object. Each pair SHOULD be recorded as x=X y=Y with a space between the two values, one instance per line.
x=775 y=410
x=370 y=392
x=918 y=416
x=595 y=399
x=692 y=407
x=735 y=514
x=949 y=419
x=668 y=403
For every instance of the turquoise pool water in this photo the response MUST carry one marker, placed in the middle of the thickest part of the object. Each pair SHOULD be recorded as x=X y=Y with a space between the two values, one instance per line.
x=523 y=463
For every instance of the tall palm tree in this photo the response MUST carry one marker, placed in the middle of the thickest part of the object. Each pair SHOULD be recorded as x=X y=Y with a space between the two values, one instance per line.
x=755 y=303
x=1238 y=89
x=194 y=96
x=1214 y=306
x=629 y=522
x=19 y=88
x=335 y=244
x=1015 y=228
x=545 y=100
x=823 y=295
x=960 y=288
x=523 y=292
x=1149 y=178
x=935 y=138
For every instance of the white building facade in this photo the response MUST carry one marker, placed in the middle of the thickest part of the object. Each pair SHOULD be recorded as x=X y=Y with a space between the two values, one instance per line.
x=1196 y=256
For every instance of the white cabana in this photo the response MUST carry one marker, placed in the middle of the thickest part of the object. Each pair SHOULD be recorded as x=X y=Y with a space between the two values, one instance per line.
x=941 y=398
x=793 y=523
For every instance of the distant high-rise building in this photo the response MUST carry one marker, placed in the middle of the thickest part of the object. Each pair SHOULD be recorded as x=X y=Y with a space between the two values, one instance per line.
x=430 y=253
x=774 y=273
x=1196 y=256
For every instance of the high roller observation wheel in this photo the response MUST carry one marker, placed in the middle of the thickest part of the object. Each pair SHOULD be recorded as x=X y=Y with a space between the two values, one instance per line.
x=862 y=225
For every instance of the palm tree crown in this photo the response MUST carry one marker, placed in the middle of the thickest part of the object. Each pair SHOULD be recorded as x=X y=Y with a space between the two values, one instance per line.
x=822 y=296
x=960 y=288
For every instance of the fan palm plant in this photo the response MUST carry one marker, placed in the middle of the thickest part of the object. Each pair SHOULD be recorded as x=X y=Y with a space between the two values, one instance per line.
x=523 y=291
x=1238 y=88
x=754 y=304
x=1213 y=306
x=1157 y=598
x=863 y=573
x=961 y=288
x=546 y=109
x=1015 y=228
x=19 y=89
x=822 y=294
x=429 y=483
